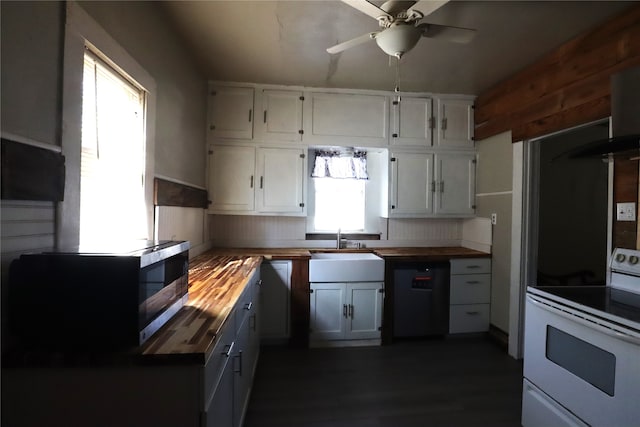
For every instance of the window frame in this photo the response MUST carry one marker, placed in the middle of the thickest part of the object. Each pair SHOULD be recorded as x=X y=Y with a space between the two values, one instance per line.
x=83 y=32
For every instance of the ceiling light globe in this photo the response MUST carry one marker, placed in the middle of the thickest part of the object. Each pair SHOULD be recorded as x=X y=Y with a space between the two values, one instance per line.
x=398 y=39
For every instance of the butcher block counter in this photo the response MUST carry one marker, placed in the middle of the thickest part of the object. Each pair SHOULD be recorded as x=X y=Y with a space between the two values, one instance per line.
x=215 y=284
x=428 y=253
x=216 y=280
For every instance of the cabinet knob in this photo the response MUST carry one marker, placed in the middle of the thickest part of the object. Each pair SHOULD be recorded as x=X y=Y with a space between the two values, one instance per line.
x=395 y=135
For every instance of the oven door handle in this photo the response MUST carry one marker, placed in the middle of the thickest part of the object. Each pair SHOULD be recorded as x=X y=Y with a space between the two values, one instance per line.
x=582 y=321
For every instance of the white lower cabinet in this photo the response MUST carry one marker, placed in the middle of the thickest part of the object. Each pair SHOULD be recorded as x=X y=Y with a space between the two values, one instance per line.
x=346 y=311
x=228 y=374
x=470 y=295
x=275 y=301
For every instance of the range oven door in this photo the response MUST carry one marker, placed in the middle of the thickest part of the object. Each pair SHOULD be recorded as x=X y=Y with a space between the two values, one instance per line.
x=589 y=366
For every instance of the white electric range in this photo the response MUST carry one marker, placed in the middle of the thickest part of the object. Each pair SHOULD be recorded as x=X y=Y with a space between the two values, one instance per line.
x=582 y=351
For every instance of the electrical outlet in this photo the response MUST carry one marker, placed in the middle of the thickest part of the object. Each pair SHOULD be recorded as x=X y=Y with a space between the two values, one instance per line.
x=494 y=218
x=626 y=211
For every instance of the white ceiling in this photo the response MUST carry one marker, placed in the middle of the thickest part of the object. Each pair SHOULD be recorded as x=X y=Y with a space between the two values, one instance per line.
x=284 y=42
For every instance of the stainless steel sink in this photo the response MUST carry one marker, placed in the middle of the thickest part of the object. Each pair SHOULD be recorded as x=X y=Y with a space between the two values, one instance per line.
x=346 y=267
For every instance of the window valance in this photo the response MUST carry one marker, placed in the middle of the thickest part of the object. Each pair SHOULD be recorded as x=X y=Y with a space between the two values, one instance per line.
x=341 y=165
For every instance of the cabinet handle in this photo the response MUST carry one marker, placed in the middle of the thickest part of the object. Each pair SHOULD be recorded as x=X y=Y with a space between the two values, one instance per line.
x=472 y=267
x=228 y=349
x=239 y=358
x=252 y=325
x=473 y=282
x=444 y=123
x=433 y=186
x=344 y=310
x=248 y=306
x=442 y=186
x=251 y=182
x=473 y=313
x=265 y=116
x=250 y=114
x=261 y=181
x=351 y=311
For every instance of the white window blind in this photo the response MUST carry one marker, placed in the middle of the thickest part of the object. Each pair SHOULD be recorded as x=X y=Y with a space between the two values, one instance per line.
x=112 y=204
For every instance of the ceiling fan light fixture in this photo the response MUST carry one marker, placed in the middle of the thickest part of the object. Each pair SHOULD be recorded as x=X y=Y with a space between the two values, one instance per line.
x=398 y=39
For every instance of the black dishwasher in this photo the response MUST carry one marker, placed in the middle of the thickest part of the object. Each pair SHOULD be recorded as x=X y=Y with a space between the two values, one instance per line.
x=421 y=299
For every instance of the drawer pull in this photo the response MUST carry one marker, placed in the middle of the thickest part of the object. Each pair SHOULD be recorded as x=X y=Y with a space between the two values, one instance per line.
x=472 y=267
x=228 y=349
x=473 y=282
x=473 y=313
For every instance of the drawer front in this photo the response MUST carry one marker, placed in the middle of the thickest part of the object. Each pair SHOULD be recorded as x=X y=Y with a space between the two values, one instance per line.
x=220 y=356
x=470 y=289
x=470 y=265
x=468 y=318
x=247 y=301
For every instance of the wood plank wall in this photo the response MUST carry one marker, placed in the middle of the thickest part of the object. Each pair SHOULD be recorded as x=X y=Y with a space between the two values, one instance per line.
x=567 y=87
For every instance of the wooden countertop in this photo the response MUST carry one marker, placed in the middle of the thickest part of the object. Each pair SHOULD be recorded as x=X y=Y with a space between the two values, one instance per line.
x=215 y=284
x=266 y=253
x=426 y=253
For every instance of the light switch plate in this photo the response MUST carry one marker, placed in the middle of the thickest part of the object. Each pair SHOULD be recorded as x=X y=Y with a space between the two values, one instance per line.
x=626 y=211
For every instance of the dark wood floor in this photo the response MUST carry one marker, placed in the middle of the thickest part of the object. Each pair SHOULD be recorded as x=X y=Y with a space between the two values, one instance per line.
x=454 y=382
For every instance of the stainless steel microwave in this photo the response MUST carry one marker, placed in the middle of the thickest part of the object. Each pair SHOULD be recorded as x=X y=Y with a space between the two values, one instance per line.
x=99 y=298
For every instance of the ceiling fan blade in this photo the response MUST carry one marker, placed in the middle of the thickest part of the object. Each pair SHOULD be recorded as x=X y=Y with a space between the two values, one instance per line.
x=351 y=43
x=447 y=33
x=367 y=8
x=427 y=7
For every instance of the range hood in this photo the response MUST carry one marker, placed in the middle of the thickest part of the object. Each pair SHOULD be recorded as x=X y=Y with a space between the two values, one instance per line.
x=625 y=121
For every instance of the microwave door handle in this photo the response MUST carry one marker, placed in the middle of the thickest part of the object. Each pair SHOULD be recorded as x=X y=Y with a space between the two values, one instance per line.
x=614 y=333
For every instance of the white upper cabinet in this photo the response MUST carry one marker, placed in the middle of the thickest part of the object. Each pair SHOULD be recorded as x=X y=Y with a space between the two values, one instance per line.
x=455 y=123
x=346 y=119
x=231 y=178
x=230 y=112
x=431 y=185
x=412 y=122
x=279 y=116
x=411 y=183
x=455 y=184
x=257 y=181
x=281 y=180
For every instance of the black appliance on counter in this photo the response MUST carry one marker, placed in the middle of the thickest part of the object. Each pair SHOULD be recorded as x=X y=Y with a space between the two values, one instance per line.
x=100 y=298
x=421 y=299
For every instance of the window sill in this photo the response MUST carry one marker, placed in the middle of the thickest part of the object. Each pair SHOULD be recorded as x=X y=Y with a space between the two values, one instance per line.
x=348 y=236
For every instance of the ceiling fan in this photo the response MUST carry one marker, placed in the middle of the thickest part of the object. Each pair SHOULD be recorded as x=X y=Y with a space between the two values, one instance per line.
x=401 y=31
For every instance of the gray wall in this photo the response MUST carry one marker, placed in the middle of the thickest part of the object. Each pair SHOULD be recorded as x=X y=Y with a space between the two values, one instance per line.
x=32 y=45
x=494 y=195
x=142 y=29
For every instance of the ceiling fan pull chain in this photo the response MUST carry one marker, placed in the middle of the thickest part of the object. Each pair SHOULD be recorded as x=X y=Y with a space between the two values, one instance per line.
x=397 y=88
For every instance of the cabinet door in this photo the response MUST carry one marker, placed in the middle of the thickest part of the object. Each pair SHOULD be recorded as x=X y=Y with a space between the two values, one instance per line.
x=412 y=122
x=328 y=311
x=411 y=184
x=281 y=180
x=231 y=112
x=281 y=118
x=455 y=124
x=242 y=376
x=231 y=178
x=275 y=300
x=219 y=412
x=364 y=310
x=354 y=119
x=455 y=184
